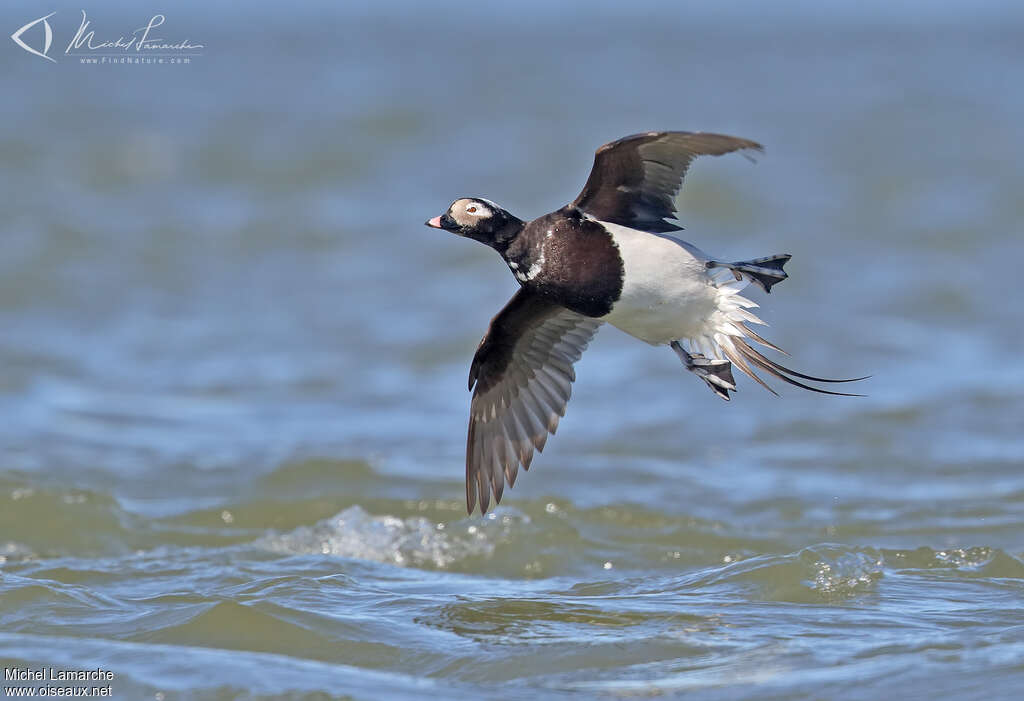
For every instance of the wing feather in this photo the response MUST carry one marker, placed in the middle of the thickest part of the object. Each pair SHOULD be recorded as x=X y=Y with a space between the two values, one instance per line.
x=635 y=180
x=521 y=377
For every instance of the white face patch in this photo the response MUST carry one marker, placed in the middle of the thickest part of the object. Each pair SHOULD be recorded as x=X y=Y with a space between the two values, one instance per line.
x=467 y=212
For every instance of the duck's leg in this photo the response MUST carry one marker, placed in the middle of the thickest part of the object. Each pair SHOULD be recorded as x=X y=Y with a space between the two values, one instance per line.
x=716 y=373
x=764 y=271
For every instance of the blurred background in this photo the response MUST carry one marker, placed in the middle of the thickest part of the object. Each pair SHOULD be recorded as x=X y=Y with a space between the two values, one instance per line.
x=233 y=360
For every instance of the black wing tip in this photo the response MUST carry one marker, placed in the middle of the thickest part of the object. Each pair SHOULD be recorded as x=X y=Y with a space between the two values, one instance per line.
x=737 y=143
x=749 y=151
x=484 y=501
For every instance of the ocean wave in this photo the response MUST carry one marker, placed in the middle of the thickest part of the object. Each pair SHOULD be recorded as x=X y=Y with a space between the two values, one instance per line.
x=411 y=541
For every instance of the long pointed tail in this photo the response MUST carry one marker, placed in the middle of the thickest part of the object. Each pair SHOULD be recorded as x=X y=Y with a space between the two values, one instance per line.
x=729 y=336
x=744 y=356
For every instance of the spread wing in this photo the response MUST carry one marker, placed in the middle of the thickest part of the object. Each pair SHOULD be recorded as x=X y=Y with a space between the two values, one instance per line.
x=635 y=180
x=523 y=376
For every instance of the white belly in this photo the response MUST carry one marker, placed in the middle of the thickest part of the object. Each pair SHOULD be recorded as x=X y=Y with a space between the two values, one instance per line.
x=667 y=292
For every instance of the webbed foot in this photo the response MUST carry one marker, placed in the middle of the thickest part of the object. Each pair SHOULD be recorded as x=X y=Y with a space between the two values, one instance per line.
x=765 y=272
x=716 y=373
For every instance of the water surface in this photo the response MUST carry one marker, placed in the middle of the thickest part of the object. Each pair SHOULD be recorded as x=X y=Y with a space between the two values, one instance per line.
x=233 y=406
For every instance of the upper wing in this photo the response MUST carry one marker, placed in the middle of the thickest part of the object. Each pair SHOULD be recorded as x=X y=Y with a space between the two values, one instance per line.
x=635 y=180
x=523 y=375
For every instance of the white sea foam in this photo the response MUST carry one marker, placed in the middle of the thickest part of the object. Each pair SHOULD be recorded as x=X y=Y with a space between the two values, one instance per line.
x=412 y=541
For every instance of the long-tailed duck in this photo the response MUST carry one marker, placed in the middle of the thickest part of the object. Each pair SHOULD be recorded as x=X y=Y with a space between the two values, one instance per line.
x=605 y=257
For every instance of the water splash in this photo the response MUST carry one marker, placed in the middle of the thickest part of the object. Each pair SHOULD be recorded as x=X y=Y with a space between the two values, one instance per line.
x=837 y=570
x=414 y=541
x=11 y=552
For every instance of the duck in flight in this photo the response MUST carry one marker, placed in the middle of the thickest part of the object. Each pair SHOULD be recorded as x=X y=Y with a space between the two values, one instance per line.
x=607 y=257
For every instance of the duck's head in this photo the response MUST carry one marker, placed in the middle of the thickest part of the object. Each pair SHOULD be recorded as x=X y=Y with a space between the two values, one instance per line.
x=478 y=219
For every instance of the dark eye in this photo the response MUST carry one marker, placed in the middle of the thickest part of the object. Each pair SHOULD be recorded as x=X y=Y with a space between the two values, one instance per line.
x=471 y=210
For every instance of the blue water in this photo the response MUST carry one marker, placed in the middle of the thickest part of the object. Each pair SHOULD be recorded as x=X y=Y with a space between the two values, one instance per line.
x=233 y=406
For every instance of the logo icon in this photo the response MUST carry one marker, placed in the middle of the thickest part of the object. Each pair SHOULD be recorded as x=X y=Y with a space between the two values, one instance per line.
x=48 y=37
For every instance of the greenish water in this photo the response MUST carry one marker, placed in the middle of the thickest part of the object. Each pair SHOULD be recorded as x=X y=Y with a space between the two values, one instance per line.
x=232 y=397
